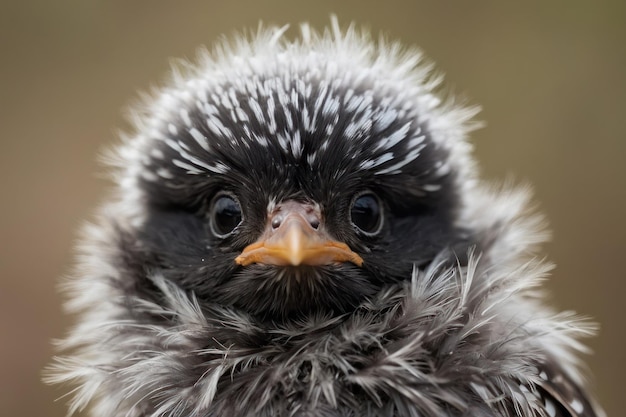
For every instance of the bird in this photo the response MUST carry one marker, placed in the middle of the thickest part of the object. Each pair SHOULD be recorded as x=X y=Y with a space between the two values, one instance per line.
x=298 y=227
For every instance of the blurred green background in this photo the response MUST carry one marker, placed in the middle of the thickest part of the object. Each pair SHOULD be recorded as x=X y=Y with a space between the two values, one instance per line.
x=551 y=77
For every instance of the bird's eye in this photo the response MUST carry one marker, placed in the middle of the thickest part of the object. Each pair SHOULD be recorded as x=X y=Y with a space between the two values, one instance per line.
x=366 y=213
x=225 y=214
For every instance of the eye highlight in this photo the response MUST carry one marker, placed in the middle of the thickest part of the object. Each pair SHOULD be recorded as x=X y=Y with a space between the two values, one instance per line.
x=225 y=214
x=366 y=213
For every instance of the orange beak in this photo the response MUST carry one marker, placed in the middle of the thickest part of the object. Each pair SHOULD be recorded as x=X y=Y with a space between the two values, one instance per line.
x=294 y=236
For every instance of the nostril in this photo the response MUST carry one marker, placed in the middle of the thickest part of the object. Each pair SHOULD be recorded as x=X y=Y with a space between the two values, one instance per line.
x=289 y=211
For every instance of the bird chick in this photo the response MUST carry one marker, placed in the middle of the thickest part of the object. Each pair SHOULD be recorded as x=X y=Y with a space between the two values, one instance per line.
x=298 y=229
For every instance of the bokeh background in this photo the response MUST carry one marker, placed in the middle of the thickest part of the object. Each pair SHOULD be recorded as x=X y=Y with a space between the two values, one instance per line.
x=551 y=77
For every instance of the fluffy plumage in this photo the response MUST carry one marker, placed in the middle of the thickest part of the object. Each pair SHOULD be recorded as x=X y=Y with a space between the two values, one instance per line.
x=444 y=316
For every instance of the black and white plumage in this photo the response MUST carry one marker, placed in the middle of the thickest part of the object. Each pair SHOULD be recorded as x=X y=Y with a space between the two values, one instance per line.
x=299 y=229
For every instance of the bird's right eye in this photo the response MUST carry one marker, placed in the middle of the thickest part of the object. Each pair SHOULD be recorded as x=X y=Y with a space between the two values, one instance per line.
x=225 y=215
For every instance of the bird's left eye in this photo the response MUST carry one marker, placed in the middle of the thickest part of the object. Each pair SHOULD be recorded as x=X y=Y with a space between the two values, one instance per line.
x=225 y=215
x=366 y=213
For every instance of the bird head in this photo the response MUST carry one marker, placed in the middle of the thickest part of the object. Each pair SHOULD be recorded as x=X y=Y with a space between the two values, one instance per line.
x=290 y=178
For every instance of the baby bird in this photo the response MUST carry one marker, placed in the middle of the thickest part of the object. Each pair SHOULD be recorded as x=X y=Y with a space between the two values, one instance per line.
x=298 y=229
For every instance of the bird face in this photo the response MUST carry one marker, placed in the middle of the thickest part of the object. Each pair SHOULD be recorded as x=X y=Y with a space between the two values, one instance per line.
x=287 y=193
